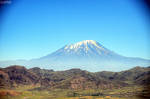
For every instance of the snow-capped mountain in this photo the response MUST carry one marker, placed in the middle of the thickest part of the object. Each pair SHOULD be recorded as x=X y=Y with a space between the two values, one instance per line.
x=88 y=54
x=84 y=49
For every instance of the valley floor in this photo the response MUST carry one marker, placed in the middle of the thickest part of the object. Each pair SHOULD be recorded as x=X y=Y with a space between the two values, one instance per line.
x=27 y=92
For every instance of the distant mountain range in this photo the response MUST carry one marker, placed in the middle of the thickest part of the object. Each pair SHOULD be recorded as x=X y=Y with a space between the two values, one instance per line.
x=88 y=54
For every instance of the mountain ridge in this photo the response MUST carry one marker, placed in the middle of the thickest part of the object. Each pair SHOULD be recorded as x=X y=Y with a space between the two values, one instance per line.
x=15 y=75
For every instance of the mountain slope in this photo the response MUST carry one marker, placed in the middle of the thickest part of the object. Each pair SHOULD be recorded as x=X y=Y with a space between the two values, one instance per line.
x=14 y=76
x=87 y=48
x=87 y=54
x=74 y=82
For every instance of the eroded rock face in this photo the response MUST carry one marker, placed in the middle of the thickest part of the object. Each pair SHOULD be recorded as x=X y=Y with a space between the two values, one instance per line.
x=78 y=83
x=85 y=83
x=47 y=83
x=17 y=75
x=4 y=79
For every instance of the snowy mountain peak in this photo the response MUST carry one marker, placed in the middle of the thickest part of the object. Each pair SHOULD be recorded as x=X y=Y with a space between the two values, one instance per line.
x=84 y=44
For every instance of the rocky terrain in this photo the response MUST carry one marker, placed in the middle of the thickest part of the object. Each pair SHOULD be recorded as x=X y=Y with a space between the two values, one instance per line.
x=76 y=79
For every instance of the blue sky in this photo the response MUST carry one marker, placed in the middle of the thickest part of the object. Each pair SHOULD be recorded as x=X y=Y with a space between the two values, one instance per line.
x=34 y=28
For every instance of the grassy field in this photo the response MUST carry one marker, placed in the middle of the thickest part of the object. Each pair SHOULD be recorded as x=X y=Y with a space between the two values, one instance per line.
x=25 y=92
